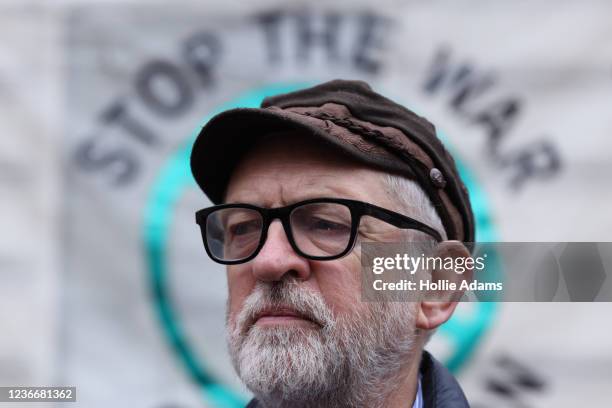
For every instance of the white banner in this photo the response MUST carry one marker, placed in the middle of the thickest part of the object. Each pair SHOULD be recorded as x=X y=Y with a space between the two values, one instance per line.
x=106 y=283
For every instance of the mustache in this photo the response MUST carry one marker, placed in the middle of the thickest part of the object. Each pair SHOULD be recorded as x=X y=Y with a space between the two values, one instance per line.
x=287 y=294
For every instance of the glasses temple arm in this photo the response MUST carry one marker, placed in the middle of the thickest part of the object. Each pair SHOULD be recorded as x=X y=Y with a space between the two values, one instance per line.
x=402 y=221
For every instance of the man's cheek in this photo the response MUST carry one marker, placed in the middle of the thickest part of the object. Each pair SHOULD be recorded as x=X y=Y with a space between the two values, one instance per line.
x=240 y=284
x=340 y=287
x=235 y=305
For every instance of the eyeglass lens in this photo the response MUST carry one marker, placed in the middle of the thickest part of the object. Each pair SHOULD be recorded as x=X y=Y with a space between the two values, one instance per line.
x=318 y=229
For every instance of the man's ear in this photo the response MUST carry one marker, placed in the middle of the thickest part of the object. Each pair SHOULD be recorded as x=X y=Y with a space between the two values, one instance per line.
x=439 y=305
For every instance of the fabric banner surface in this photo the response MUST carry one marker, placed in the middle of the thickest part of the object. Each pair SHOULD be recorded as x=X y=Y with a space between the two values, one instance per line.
x=106 y=284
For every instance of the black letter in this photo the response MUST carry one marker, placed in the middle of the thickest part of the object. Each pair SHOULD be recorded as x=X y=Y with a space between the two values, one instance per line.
x=541 y=160
x=201 y=51
x=120 y=161
x=467 y=83
x=270 y=23
x=118 y=113
x=307 y=36
x=368 y=41
x=165 y=74
x=498 y=118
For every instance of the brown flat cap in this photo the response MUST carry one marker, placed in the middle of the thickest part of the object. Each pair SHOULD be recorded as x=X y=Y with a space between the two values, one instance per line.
x=351 y=117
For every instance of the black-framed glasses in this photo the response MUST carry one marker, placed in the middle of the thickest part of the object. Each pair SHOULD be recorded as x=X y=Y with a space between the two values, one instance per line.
x=319 y=229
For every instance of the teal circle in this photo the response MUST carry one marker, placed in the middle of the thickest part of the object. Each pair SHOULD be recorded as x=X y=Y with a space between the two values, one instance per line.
x=175 y=178
x=464 y=333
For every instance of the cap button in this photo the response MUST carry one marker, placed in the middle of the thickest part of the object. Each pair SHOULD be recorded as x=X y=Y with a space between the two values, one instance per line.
x=437 y=178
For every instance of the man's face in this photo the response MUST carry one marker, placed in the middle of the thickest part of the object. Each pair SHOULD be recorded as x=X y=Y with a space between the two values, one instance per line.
x=295 y=324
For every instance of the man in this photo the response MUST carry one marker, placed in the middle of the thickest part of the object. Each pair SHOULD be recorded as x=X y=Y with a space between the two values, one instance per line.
x=299 y=184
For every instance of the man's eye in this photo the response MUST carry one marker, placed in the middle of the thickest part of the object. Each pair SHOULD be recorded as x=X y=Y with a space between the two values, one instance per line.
x=243 y=228
x=320 y=224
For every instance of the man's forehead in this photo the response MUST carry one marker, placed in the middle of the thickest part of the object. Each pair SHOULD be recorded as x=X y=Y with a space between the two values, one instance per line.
x=282 y=191
x=288 y=174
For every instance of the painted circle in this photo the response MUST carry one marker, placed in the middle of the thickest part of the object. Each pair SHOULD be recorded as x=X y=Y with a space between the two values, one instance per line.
x=462 y=332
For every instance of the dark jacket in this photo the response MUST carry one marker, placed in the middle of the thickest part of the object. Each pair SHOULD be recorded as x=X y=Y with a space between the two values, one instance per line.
x=440 y=389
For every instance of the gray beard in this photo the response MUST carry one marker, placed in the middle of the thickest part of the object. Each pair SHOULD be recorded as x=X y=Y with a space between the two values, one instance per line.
x=350 y=361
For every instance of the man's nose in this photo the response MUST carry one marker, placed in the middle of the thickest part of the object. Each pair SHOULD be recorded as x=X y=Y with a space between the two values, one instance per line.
x=278 y=258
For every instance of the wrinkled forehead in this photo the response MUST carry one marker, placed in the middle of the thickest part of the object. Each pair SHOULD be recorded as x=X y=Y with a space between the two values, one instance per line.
x=288 y=166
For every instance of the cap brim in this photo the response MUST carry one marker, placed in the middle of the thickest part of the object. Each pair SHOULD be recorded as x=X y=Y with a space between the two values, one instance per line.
x=225 y=139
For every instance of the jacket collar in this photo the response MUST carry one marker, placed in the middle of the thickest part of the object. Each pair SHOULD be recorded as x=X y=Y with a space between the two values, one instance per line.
x=440 y=388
